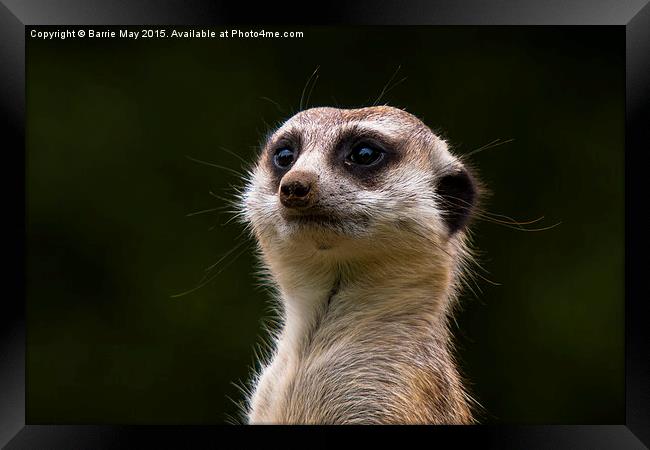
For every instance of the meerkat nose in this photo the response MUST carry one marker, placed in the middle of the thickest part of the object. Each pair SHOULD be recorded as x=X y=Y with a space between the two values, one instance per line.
x=297 y=189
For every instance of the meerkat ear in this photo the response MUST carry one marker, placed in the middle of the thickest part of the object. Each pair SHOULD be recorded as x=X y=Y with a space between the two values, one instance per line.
x=459 y=191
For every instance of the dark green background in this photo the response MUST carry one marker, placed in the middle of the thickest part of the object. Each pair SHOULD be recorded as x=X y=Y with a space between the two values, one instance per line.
x=109 y=187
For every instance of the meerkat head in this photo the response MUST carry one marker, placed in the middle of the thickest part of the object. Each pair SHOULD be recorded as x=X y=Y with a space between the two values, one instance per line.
x=342 y=183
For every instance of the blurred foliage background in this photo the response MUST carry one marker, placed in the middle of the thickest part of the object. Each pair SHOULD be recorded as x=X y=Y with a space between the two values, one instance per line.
x=110 y=124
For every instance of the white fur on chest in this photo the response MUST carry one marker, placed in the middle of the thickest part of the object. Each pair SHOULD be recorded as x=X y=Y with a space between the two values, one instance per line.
x=300 y=312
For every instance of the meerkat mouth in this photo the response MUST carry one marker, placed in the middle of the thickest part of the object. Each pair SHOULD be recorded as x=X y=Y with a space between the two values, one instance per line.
x=321 y=221
x=314 y=219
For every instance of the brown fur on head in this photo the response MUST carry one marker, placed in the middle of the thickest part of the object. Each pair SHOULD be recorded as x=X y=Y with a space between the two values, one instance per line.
x=360 y=217
x=416 y=183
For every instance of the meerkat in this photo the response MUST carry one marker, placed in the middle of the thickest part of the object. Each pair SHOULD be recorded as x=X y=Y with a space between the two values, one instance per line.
x=360 y=216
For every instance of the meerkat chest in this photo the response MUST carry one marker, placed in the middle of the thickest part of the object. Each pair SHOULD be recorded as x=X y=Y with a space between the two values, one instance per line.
x=280 y=380
x=271 y=392
x=342 y=384
x=328 y=377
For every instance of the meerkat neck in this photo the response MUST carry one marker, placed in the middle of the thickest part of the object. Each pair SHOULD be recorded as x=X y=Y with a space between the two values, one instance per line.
x=373 y=337
x=412 y=292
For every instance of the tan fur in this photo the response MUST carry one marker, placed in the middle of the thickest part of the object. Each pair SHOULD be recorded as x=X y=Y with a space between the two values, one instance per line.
x=365 y=304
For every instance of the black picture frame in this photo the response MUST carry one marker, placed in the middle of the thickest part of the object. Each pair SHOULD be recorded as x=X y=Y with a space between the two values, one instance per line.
x=16 y=15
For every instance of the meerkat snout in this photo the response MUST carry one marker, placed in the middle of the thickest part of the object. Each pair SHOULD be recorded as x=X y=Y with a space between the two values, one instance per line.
x=298 y=189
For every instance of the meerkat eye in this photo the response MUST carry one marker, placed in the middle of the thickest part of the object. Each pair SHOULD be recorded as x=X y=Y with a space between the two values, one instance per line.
x=284 y=157
x=365 y=155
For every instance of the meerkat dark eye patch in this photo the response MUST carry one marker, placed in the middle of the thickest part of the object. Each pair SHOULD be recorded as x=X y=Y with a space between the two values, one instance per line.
x=282 y=151
x=364 y=155
x=458 y=192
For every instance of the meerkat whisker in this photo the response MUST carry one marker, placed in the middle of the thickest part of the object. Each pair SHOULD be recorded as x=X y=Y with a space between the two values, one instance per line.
x=493 y=144
x=230 y=152
x=383 y=90
x=205 y=211
x=304 y=89
x=311 y=89
x=207 y=277
x=276 y=104
x=510 y=223
x=217 y=166
x=224 y=256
